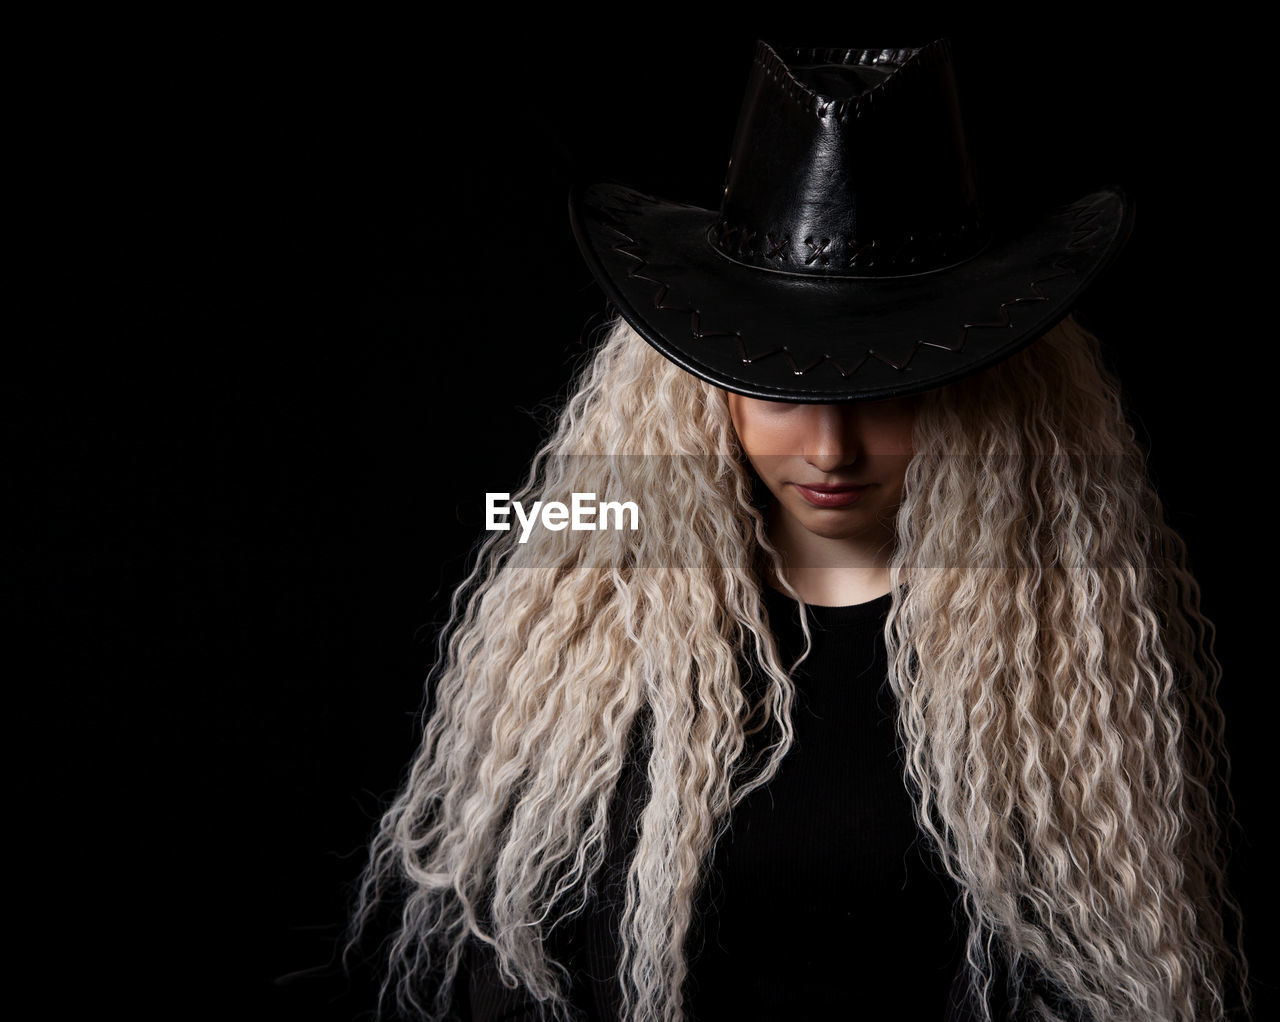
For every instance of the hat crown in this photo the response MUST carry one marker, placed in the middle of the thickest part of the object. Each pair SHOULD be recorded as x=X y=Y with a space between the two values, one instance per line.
x=849 y=163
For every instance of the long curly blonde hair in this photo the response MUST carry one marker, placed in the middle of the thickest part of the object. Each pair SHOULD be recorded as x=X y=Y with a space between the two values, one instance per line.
x=1055 y=682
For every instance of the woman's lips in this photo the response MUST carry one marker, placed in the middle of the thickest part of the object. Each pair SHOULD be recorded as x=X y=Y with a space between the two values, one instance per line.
x=830 y=496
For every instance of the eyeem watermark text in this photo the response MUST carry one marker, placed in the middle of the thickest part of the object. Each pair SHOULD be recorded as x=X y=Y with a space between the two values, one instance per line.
x=556 y=516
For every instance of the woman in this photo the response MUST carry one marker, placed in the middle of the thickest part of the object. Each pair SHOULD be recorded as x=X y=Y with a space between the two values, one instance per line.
x=637 y=752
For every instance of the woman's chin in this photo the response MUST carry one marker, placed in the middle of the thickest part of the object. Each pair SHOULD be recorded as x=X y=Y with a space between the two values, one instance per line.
x=837 y=523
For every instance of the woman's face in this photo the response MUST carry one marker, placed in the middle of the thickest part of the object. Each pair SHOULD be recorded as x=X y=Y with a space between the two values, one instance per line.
x=836 y=470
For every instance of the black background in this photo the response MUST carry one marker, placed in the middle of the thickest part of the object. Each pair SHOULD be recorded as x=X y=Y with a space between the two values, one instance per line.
x=301 y=294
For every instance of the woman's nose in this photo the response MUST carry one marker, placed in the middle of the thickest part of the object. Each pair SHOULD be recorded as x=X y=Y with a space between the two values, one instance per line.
x=831 y=440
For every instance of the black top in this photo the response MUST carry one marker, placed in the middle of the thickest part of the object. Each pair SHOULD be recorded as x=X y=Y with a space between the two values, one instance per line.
x=823 y=900
x=822 y=890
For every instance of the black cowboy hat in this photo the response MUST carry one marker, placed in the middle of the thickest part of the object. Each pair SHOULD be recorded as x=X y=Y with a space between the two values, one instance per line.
x=850 y=258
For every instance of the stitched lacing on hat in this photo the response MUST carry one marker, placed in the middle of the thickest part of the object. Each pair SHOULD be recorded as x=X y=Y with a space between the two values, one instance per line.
x=910 y=59
x=1083 y=213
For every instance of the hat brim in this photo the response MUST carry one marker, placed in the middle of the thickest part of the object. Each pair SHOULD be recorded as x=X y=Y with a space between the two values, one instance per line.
x=788 y=337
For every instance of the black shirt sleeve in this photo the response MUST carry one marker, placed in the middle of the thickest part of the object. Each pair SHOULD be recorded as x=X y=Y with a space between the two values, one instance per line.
x=483 y=996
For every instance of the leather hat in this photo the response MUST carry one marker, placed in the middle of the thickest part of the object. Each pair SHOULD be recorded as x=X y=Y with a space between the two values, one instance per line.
x=850 y=257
